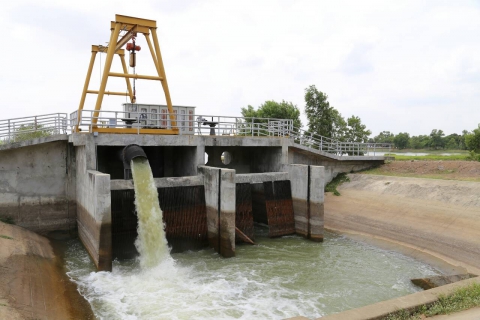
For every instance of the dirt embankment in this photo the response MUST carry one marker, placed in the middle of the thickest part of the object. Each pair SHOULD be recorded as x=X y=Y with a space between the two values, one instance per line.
x=436 y=217
x=33 y=283
x=451 y=170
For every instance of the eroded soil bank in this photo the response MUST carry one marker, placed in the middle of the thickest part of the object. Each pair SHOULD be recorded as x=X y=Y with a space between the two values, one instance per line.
x=33 y=283
x=439 y=218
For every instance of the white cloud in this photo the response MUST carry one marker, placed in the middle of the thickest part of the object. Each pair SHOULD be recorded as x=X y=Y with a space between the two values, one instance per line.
x=400 y=66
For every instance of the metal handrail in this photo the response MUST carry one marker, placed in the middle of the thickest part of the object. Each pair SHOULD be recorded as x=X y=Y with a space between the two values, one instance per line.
x=18 y=129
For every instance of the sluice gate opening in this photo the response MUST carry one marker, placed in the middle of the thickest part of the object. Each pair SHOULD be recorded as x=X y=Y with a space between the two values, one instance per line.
x=184 y=215
x=185 y=218
x=273 y=207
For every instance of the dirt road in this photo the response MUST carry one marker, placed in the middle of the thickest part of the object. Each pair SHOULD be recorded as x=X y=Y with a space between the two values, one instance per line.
x=435 y=217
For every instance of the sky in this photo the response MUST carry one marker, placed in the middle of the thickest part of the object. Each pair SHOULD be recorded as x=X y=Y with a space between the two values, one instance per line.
x=401 y=66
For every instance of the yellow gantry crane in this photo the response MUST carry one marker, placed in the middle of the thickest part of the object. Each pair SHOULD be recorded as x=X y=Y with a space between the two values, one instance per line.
x=131 y=26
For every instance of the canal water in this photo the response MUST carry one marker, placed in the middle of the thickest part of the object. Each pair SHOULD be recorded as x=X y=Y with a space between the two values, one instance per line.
x=275 y=279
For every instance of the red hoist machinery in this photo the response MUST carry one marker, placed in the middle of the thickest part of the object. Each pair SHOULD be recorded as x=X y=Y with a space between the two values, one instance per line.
x=130 y=27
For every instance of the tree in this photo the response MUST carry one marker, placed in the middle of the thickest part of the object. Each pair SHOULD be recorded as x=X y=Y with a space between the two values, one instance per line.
x=273 y=109
x=436 y=141
x=472 y=140
x=319 y=113
x=356 y=131
x=384 y=137
x=323 y=119
x=401 y=140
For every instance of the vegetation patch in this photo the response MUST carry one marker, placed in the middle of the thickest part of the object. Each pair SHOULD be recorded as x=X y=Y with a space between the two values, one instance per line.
x=8 y=220
x=5 y=237
x=337 y=181
x=461 y=299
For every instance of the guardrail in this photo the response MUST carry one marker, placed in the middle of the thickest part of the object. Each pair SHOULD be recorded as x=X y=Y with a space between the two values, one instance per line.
x=340 y=148
x=18 y=129
x=187 y=124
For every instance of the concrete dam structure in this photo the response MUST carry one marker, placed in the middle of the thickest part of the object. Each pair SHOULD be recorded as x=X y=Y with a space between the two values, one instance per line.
x=212 y=188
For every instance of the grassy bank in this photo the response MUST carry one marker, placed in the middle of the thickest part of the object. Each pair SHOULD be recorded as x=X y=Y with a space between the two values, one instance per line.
x=462 y=299
x=431 y=157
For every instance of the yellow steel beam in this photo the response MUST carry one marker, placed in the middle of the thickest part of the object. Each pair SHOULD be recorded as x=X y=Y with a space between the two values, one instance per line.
x=134 y=76
x=152 y=51
x=110 y=93
x=127 y=27
x=133 y=21
x=85 y=88
x=106 y=70
x=161 y=73
x=104 y=49
x=126 y=37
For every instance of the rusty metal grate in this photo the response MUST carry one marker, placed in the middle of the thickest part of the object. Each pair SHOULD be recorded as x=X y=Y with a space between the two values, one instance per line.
x=243 y=211
x=279 y=205
x=184 y=213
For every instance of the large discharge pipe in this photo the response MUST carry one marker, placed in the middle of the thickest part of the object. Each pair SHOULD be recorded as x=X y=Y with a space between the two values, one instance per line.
x=130 y=152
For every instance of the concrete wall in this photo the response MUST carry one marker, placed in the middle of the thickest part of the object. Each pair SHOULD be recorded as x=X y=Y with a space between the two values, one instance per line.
x=94 y=218
x=220 y=203
x=246 y=159
x=307 y=183
x=36 y=186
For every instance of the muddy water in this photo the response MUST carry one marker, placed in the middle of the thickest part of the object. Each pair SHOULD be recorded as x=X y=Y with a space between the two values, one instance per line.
x=151 y=242
x=278 y=278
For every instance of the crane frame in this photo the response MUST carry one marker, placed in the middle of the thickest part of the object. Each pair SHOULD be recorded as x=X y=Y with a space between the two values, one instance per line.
x=132 y=26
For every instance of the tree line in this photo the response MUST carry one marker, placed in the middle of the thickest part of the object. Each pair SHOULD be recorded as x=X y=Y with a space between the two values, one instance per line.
x=323 y=119
x=436 y=140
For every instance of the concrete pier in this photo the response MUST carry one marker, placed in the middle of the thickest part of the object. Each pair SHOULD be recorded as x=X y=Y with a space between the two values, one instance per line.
x=220 y=203
x=308 y=199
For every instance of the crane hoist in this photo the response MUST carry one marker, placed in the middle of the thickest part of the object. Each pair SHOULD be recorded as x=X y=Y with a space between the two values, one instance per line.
x=130 y=27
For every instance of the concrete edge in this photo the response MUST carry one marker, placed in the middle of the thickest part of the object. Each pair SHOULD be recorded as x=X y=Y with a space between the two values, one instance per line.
x=32 y=142
x=409 y=302
x=160 y=182
x=261 y=177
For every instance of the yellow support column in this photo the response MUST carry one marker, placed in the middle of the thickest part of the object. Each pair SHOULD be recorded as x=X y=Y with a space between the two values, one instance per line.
x=161 y=70
x=106 y=70
x=154 y=56
x=85 y=88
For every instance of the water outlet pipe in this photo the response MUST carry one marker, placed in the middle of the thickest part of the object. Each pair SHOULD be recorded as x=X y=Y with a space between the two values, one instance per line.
x=130 y=152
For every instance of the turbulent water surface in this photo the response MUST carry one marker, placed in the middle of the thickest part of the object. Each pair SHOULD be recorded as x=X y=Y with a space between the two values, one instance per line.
x=278 y=278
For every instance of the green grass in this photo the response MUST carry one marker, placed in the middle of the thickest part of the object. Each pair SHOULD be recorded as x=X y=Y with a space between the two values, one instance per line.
x=431 y=157
x=5 y=237
x=461 y=299
x=337 y=181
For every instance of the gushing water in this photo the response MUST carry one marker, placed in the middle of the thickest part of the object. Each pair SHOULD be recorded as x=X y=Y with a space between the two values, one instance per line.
x=151 y=242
